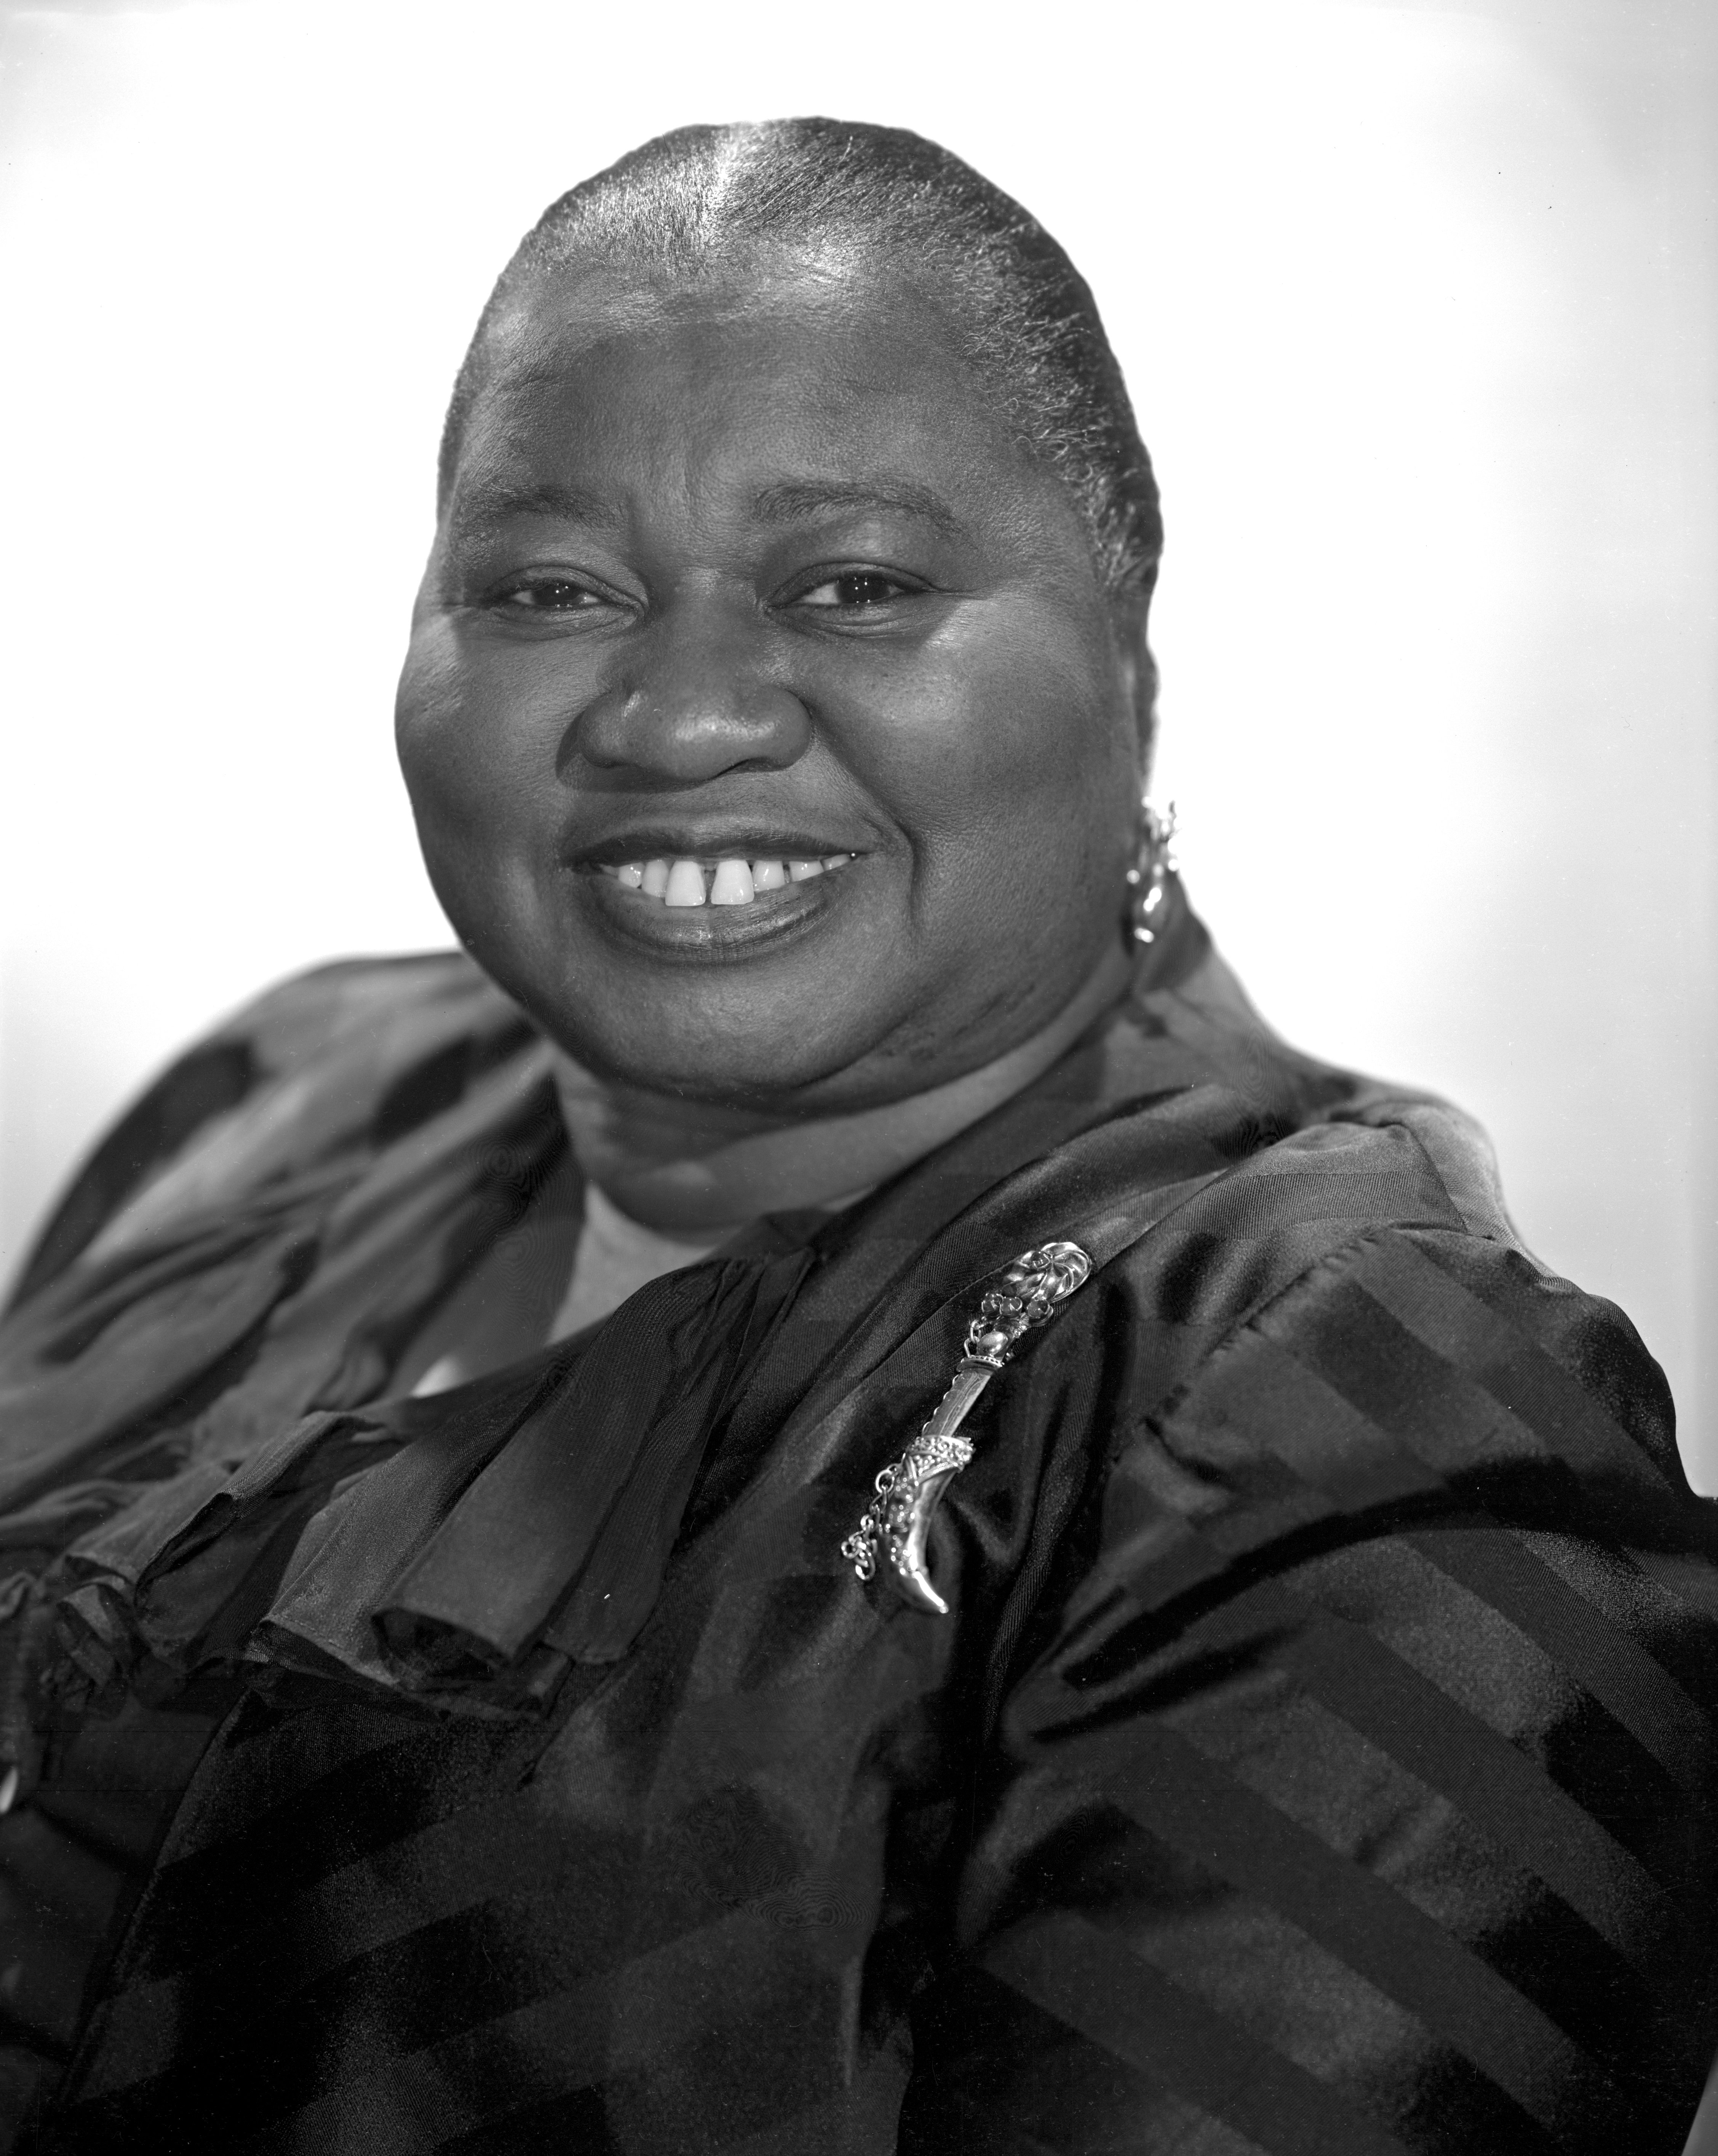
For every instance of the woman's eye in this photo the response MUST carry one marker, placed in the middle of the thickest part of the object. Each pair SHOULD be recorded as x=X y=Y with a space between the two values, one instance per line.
x=853 y=588
x=549 y=595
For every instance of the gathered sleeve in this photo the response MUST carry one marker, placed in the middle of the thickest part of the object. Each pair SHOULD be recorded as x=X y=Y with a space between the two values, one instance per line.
x=1359 y=1796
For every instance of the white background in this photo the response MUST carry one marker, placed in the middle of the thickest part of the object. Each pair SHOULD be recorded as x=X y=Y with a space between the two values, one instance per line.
x=1417 y=309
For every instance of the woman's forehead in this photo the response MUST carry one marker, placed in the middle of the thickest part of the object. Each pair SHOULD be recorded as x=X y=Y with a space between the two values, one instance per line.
x=719 y=383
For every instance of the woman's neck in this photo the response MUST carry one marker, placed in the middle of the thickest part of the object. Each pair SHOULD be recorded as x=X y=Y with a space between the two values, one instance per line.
x=688 y=1168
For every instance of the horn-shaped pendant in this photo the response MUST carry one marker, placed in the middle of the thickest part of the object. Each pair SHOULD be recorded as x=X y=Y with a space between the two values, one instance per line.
x=896 y=1526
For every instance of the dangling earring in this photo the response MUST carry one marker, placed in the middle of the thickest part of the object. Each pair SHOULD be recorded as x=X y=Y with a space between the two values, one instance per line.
x=1153 y=866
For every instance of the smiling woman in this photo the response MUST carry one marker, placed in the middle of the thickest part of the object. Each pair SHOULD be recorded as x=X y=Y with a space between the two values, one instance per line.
x=772 y=495
x=819 y=1500
x=718 y=659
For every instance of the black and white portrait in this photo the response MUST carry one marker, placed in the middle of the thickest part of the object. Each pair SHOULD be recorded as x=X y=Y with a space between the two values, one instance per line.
x=857 y=997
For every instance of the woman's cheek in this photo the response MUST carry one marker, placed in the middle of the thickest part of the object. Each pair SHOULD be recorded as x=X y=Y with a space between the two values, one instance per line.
x=430 y=707
x=461 y=768
x=955 y=732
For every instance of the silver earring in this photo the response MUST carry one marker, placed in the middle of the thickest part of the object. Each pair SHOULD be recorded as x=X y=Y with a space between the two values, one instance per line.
x=1153 y=866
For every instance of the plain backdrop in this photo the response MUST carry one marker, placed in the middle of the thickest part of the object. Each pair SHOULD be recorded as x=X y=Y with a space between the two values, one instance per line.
x=1417 y=305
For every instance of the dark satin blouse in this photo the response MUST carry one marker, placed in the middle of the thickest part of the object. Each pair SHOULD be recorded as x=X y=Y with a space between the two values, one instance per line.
x=1318 y=1756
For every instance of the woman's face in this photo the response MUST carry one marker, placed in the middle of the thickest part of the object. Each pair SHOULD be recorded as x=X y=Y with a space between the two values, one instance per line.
x=766 y=729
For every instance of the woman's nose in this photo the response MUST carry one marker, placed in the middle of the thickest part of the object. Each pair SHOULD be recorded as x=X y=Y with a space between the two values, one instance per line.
x=692 y=701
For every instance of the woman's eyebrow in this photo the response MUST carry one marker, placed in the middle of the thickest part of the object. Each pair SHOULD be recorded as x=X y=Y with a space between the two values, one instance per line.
x=485 y=506
x=788 y=499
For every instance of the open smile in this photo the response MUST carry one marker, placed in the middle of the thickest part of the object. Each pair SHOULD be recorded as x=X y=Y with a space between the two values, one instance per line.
x=718 y=880
x=699 y=904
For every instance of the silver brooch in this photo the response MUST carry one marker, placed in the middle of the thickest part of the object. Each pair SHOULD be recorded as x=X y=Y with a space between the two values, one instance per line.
x=909 y=1492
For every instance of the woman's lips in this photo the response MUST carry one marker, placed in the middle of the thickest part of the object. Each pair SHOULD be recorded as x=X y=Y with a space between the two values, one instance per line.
x=715 y=905
x=729 y=879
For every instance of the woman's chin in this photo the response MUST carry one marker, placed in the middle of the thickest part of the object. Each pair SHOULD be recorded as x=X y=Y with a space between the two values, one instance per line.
x=770 y=1068
x=786 y=1010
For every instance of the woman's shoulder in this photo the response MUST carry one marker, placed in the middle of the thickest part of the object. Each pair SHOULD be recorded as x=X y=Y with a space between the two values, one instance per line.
x=331 y=1060
x=1412 y=1355
x=1354 y=1284
x=1336 y=1315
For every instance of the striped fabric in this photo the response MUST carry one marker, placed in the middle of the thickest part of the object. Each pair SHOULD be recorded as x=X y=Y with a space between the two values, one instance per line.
x=1319 y=1757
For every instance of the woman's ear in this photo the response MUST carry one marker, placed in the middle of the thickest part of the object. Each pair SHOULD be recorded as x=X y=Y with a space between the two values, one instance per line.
x=1129 y=614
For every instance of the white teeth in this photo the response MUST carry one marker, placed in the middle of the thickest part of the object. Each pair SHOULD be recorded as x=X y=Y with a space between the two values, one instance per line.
x=732 y=884
x=686 y=885
x=729 y=881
